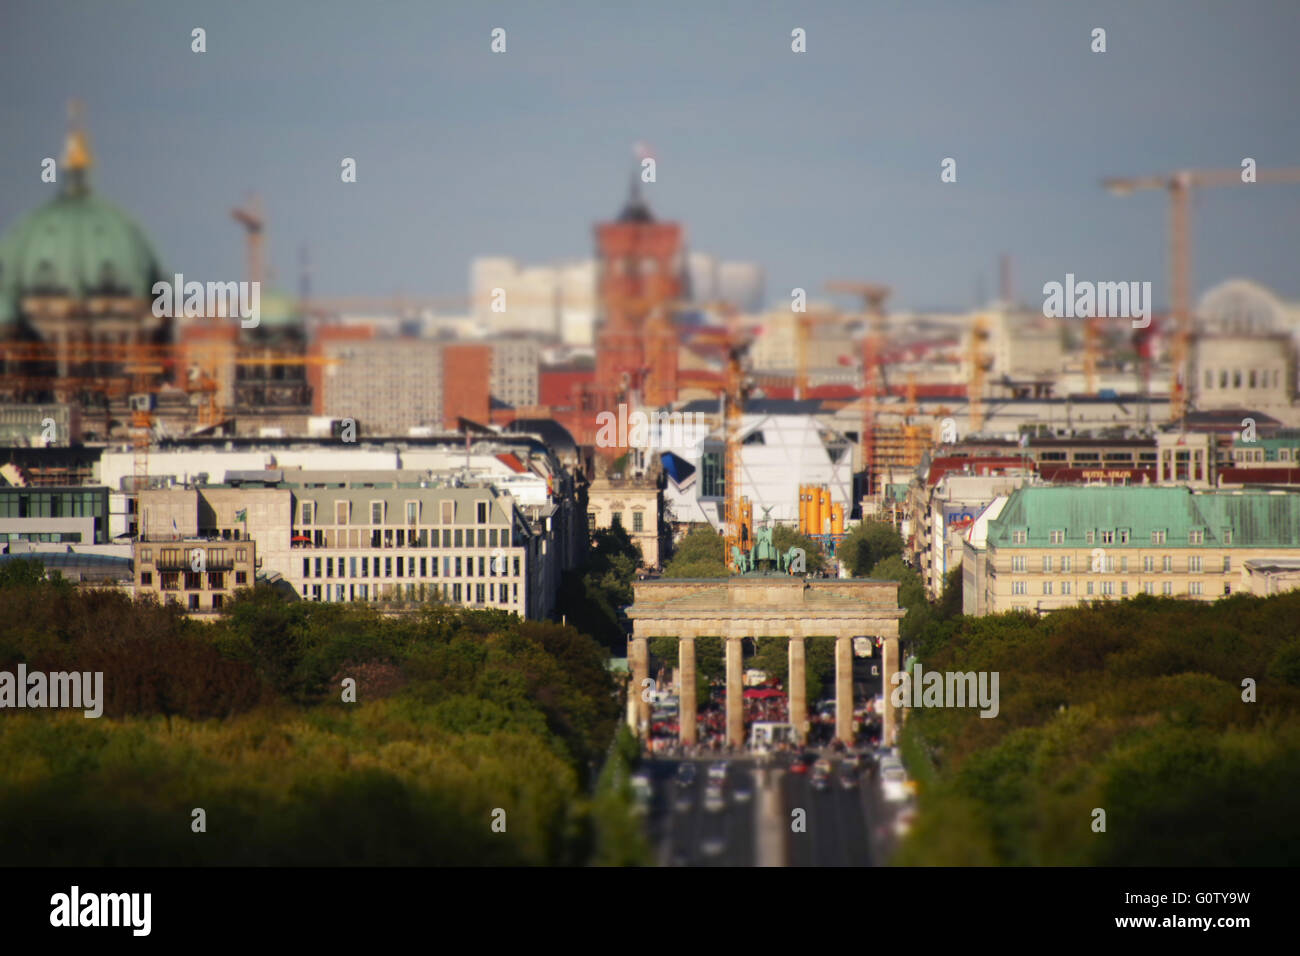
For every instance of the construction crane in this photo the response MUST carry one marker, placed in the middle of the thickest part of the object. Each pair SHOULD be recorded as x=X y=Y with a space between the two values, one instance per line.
x=979 y=364
x=873 y=303
x=250 y=216
x=1179 y=186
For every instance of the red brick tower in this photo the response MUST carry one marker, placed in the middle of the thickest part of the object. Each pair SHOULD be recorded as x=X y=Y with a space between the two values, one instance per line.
x=640 y=271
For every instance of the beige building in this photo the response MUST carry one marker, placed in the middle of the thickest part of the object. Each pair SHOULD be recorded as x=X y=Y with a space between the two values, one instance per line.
x=1055 y=547
x=200 y=574
x=636 y=506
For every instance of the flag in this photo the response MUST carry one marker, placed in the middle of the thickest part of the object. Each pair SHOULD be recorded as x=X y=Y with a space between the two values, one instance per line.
x=241 y=514
x=175 y=530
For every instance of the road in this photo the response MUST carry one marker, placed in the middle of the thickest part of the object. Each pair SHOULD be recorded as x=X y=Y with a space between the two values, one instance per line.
x=841 y=827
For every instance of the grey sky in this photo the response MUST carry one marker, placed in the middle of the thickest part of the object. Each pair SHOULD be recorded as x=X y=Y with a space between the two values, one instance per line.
x=821 y=165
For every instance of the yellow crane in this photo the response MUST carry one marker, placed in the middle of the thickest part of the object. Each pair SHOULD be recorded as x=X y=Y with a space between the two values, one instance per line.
x=1179 y=185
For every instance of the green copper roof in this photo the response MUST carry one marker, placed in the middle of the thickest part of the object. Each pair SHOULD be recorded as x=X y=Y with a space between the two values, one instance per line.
x=1257 y=519
x=76 y=244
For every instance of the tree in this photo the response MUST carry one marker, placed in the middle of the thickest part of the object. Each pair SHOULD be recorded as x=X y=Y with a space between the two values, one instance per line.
x=698 y=555
x=785 y=538
x=867 y=544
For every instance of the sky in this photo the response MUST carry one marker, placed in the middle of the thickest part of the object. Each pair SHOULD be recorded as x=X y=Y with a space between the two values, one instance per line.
x=820 y=165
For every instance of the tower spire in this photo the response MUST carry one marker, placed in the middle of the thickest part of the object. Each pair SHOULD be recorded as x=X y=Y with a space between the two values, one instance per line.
x=77 y=158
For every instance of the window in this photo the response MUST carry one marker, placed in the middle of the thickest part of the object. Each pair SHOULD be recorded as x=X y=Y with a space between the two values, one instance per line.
x=424 y=569
x=340 y=512
x=194 y=602
x=1123 y=564
x=1019 y=537
x=1091 y=537
x=1148 y=564
x=1047 y=587
x=478 y=594
x=481 y=511
x=1108 y=537
x=458 y=571
x=448 y=516
x=1065 y=587
x=1194 y=563
x=1018 y=562
x=1149 y=587
x=1196 y=536
x=1123 y=536
x=482 y=570
x=146 y=555
x=308 y=509
x=482 y=538
x=1167 y=588
x=1065 y=563
x=1157 y=537
x=1056 y=537
x=1227 y=564
x=1226 y=534
x=1107 y=587
x=146 y=579
x=1123 y=589
x=1089 y=587
x=1019 y=587
x=591 y=519
x=1047 y=563
x=412 y=512
x=456 y=593
x=616 y=518
x=460 y=538
x=638 y=521
x=1194 y=587
x=388 y=567
x=376 y=512
x=1167 y=564
x=365 y=566
x=516 y=567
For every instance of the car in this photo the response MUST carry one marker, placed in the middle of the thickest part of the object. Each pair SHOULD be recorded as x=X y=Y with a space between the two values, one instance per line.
x=893 y=783
x=848 y=781
x=903 y=822
x=683 y=804
x=713 y=846
x=641 y=792
x=713 y=800
x=821 y=782
x=743 y=794
x=718 y=772
x=822 y=766
x=685 y=774
x=800 y=765
x=852 y=762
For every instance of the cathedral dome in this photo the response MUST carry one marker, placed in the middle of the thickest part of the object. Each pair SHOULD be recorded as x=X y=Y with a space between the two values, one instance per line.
x=76 y=245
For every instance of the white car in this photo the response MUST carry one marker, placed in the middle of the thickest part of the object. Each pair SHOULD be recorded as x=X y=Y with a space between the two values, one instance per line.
x=713 y=801
x=903 y=822
x=893 y=781
x=717 y=772
x=743 y=794
x=713 y=846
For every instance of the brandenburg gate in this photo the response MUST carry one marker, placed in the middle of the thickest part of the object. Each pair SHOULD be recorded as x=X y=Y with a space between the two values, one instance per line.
x=763 y=605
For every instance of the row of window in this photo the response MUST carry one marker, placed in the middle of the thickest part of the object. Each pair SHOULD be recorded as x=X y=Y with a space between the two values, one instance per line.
x=1108 y=588
x=410 y=538
x=411 y=567
x=616 y=518
x=1120 y=536
x=1106 y=563
x=455 y=593
x=378 y=512
x=174 y=556
x=1257 y=378
x=171 y=580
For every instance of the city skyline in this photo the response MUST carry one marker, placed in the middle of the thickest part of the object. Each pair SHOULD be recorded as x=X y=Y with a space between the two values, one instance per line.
x=812 y=166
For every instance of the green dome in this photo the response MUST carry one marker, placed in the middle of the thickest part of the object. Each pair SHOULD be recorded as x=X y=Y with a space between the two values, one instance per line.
x=76 y=245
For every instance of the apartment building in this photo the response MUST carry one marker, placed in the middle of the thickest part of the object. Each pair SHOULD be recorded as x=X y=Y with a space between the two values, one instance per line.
x=199 y=573
x=375 y=536
x=388 y=386
x=1054 y=547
